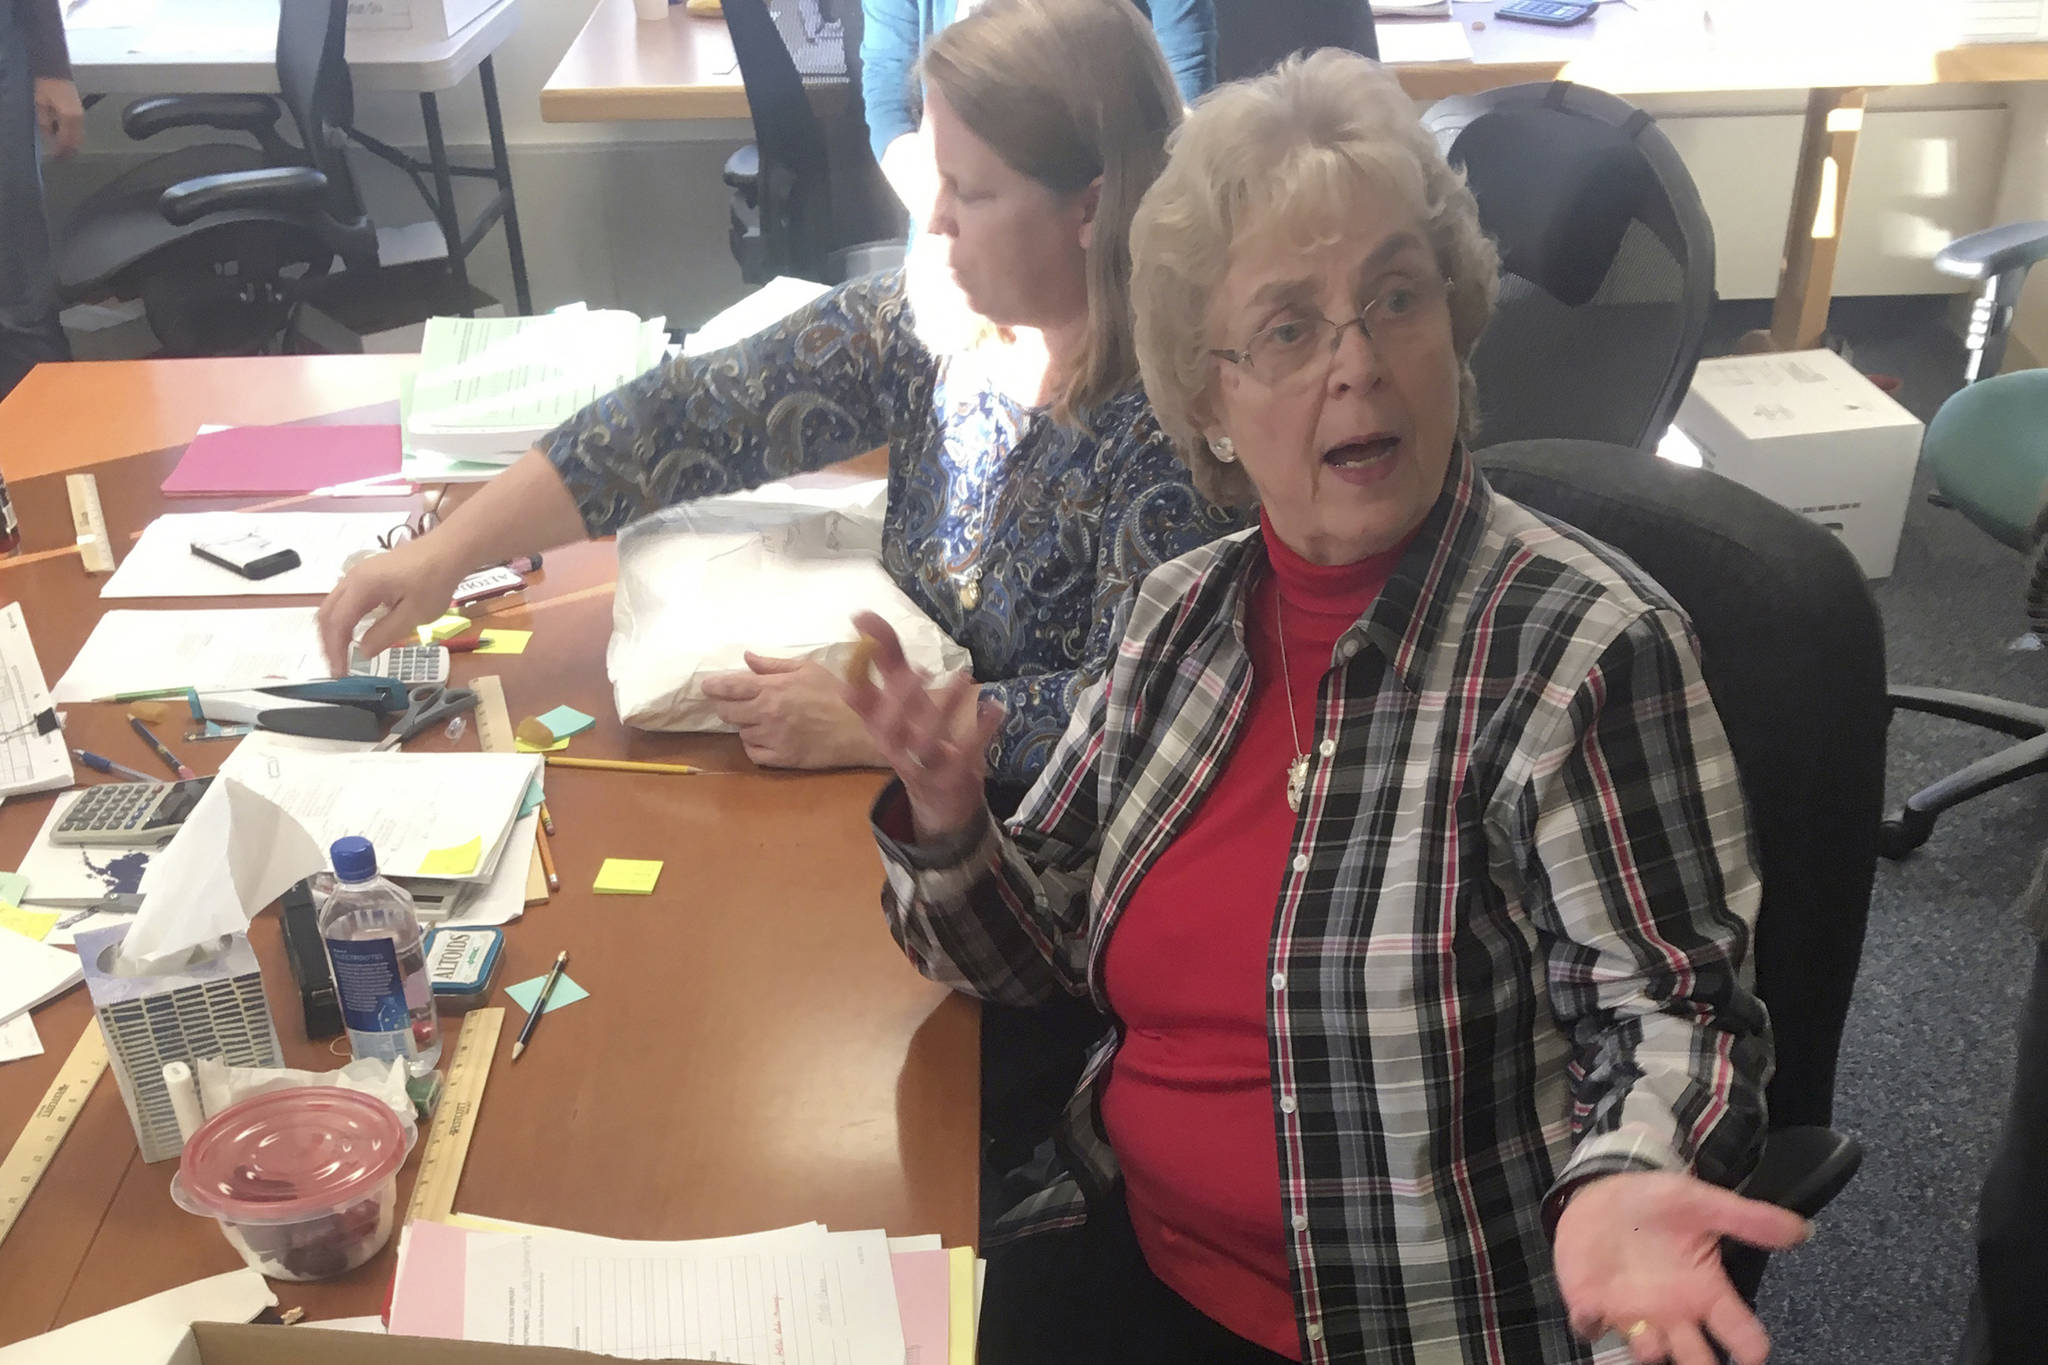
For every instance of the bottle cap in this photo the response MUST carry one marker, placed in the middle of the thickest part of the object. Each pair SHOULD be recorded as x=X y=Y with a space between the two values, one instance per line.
x=354 y=859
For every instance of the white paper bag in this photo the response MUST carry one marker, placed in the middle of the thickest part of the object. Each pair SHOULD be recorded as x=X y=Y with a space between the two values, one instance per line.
x=780 y=571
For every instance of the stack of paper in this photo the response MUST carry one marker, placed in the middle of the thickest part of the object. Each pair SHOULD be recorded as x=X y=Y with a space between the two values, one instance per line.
x=32 y=753
x=800 y=1294
x=488 y=388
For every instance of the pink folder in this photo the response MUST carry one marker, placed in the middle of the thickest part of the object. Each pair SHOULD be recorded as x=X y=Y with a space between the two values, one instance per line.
x=283 y=460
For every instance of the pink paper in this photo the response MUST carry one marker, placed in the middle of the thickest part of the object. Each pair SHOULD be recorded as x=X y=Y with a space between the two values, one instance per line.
x=427 y=1292
x=284 y=460
x=923 y=1290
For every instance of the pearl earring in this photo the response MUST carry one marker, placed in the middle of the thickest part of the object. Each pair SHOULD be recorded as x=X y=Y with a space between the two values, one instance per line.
x=1224 y=449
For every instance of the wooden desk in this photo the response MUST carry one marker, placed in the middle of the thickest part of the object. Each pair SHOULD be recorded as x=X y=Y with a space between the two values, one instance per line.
x=755 y=1050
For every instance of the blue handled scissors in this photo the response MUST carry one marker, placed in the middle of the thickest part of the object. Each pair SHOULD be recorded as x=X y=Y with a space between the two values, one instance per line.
x=428 y=705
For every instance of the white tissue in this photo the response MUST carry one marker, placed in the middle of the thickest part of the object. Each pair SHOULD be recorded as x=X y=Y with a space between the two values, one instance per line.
x=236 y=853
x=221 y=1085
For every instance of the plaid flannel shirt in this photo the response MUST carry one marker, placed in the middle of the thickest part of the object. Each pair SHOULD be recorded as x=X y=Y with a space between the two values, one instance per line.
x=1510 y=947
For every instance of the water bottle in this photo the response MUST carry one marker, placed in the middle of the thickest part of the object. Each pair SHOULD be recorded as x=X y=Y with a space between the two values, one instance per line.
x=378 y=954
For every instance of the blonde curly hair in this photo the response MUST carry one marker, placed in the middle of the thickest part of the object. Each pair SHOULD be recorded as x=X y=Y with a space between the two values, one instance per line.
x=1287 y=153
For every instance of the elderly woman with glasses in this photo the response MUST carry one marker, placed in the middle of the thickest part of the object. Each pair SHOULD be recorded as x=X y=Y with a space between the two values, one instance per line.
x=1401 y=839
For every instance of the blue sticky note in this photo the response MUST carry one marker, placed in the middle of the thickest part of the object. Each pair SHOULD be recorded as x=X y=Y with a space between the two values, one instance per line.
x=534 y=796
x=567 y=992
x=565 y=721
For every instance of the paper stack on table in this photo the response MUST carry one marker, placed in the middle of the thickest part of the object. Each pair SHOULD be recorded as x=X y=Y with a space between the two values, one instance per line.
x=860 y=1298
x=488 y=388
x=32 y=753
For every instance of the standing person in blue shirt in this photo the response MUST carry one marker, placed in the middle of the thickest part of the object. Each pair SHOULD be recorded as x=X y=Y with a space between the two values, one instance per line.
x=895 y=31
x=36 y=95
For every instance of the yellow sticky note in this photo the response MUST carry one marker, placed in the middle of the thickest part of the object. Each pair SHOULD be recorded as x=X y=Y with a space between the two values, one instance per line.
x=458 y=861
x=523 y=747
x=628 y=876
x=504 y=642
x=31 y=923
x=447 y=628
x=960 y=1315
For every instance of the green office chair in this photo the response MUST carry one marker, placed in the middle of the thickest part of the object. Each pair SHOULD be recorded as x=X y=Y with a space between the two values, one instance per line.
x=1988 y=450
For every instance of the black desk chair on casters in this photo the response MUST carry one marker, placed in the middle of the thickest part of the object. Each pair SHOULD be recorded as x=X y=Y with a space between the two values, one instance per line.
x=224 y=242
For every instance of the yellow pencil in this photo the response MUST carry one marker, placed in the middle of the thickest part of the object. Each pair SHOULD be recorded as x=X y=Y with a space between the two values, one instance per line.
x=621 y=765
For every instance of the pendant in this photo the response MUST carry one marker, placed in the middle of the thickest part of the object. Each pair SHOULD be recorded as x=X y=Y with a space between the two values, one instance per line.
x=970 y=588
x=1297 y=782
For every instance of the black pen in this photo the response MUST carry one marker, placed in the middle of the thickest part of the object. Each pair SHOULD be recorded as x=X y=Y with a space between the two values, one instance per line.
x=171 y=761
x=540 y=1003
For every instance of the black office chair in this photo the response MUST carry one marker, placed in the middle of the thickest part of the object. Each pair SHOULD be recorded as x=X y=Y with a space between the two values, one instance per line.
x=1989 y=457
x=782 y=220
x=1607 y=262
x=1793 y=653
x=1253 y=35
x=223 y=241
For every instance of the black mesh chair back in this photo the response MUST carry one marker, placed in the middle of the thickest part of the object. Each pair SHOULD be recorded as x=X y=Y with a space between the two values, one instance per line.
x=1607 y=262
x=313 y=83
x=792 y=188
x=1254 y=35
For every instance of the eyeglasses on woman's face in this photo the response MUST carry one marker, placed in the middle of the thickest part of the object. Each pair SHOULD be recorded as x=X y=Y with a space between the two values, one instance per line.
x=1302 y=343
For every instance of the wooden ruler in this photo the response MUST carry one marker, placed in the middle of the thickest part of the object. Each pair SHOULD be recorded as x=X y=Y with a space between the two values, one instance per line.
x=89 y=523
x=47 y=1126
x=447 y=1144
x=494 y=736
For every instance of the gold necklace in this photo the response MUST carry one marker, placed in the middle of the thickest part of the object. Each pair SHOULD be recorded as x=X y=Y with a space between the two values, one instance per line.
x=1297 y=770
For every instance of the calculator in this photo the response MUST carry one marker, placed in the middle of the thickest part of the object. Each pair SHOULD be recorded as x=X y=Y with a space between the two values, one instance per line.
x=133 y=814
x=409 y=664
x=1557 y=12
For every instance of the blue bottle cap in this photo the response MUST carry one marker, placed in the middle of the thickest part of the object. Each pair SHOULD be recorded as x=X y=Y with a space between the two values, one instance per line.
x=354 y=859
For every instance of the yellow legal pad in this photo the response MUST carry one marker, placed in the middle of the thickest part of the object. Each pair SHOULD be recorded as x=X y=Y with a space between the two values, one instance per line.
x=628 y=876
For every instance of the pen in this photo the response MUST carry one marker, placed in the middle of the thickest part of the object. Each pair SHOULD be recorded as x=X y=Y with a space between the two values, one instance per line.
x=107 y=765
x=547 y=821
x=547 y=859
x=540 y=1003
x=170 y=759
x=618 y=765
x=149 y=694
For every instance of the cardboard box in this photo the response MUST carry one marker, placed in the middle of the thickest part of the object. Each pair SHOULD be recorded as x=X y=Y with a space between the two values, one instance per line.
x=234 y=1343
x=1808 y=432
x=426 y=19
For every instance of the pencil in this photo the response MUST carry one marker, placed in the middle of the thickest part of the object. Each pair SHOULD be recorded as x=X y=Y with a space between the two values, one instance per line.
x=547 y=821
x=171 y=760
x=621 y=765
x=547 y=859
x=540 y=1002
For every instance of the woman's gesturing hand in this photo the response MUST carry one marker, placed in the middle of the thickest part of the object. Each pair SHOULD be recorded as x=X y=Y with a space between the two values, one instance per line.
x=936 y=741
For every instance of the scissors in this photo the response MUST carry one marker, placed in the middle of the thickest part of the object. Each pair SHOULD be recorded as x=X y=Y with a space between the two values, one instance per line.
x=429 y=705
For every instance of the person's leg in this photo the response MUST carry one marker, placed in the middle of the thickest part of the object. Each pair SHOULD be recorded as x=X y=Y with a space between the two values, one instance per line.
x=2008 y=1310
x=29 y=330
x=1085 y=1295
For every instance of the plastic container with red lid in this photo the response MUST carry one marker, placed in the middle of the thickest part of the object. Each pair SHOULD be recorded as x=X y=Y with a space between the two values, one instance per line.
x=303 y=1182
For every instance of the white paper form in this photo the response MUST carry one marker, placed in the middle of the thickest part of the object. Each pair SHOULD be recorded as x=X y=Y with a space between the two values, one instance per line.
x=32 y=972
x=18 y=1036
x=162 y=563
x=1416 y=41
x=140 y=651
x=834 y=1305
x=29 y=762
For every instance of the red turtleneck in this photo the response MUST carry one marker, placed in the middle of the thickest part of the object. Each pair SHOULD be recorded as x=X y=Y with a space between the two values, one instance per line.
x=1189 y=1107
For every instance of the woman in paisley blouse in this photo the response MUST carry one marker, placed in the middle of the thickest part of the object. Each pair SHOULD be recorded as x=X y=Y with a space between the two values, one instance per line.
x=1029 y=485
x=1400 y=839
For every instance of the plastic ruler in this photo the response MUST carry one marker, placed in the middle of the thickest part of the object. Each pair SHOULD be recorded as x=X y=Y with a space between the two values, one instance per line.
x=47 y=1126
x=89 y=523
x=494 y=736
x=447 y=1144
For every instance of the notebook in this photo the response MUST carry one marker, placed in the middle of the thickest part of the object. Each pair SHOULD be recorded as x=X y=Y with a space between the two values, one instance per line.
x=283 y=460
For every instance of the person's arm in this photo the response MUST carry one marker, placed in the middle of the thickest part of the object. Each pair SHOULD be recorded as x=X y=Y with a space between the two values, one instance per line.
x=818 y=387
x=42 y=34
x=1151 y=514
x=1187 y=35
x=1642 y=883
x=888 y=49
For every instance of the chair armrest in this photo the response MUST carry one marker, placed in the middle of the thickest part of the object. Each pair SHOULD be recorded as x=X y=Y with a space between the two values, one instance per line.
x=256 y=115
x=1994 y=251
x=1801 y=1169
x=272 y=187
x=743 y=167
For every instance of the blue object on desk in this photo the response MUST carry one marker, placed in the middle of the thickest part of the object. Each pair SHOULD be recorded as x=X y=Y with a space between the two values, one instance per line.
x=107 y=765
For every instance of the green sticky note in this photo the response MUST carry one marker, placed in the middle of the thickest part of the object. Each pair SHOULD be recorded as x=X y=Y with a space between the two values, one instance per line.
x=458 y=861
x=566 y=721
x=13 y=886
x=628 y=876
x=566 y=992
x=29 y=923
x=534 y=796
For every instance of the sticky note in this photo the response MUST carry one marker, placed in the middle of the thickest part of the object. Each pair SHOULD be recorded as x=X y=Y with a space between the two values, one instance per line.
x=504 y=642
x=31 y=923
x=458 y=861
x=566 y=992
x=628 y=876
x=534 y=796
x=447 y=628
x=13 y=886
x=566 y=721
x=523 y=747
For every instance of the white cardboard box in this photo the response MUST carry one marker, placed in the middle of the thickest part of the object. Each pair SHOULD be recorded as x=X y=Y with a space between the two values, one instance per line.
x=1808 y=432
x=428 y=19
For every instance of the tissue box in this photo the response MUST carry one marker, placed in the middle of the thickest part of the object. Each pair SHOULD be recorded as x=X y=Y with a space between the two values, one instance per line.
x=421 y=18
x=1808 y=432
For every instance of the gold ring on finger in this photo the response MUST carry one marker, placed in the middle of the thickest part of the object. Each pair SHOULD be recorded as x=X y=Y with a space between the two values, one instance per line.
x=1635 y=1329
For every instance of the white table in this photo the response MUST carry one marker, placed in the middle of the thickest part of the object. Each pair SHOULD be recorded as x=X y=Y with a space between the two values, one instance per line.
x=203 y=47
